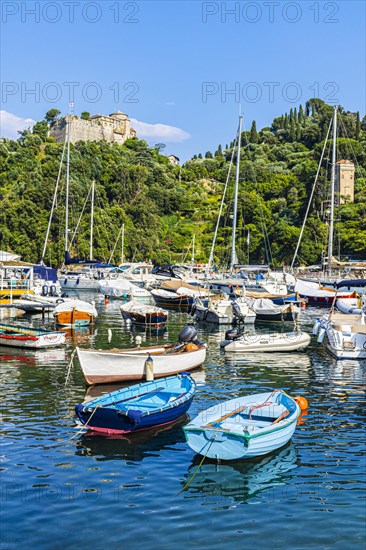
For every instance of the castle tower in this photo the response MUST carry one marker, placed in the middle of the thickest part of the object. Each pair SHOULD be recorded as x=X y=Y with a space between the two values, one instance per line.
x=345 y=180
x=113 y=128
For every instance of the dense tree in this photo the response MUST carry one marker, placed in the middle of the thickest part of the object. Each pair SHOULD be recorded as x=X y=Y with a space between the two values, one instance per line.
x=85 y=115
x=162 y=206
x=52 y=115
x=253 y=133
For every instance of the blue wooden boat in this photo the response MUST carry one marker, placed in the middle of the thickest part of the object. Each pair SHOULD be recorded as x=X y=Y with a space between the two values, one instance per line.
x=244 y=427
x=139 y=407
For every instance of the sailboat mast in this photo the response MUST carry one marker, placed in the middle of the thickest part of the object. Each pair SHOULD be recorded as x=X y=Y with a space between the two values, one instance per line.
x=193 y=244
x=235 y=213
x=332 y=187
x=67 y=184
x=123 y=244
x=92 y=221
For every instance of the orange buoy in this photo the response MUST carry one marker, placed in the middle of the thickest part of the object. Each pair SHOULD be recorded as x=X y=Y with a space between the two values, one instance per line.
x=303 y=304
x=302 y=402
x=106 y=301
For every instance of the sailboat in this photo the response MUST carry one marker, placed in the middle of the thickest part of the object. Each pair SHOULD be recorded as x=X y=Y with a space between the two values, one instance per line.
x=82 y=274
x=314 y=293
x=225 y=311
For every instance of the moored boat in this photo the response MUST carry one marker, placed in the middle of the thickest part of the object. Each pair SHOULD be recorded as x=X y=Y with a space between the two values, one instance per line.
x=266 y=310
x=317 y=295
x=20 y=336
x=144 y=315
x=352 y=306
x=244 y=427
x=75 y=312
x=223 y=311
x=265 y=342
x=346 y=335
x=139 y=407
x=121 y=365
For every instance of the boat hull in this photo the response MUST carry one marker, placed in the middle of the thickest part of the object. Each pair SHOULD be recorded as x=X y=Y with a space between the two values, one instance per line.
x=231 y=430
x=347 y=342
x=217 y=317
x=291 y=341
x=26 y=337
x=154 y=320
x=140 y=407
x=102 y=367
x=73 y=317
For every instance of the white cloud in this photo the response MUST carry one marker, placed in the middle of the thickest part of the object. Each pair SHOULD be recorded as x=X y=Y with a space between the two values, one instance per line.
x=161 y=132
x=10 y=124
x=169 y=103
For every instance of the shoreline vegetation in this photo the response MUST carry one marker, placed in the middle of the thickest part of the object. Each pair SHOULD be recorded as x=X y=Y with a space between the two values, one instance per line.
x=164 y=206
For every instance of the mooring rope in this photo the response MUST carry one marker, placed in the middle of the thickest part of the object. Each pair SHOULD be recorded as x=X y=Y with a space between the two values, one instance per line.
x=84 y=426
x=198 y=467
x=71 y=364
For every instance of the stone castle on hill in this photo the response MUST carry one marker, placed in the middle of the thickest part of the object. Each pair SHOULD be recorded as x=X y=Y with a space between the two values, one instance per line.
x=113 y=128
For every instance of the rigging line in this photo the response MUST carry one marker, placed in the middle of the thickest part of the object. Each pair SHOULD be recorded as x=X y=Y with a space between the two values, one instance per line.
x=267 y=244
x=115 y=244
x=53 y=202
x=102 y=214
x=311 y=195
x=81 y=215
x=349 y=145
x=210 y=259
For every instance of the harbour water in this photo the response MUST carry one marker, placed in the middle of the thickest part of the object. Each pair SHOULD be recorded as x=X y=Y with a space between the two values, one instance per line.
x=65 y=489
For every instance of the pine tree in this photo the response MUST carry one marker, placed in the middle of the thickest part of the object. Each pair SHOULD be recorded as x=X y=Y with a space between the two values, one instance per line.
x=358 y=125
x=301 y=115
x=219 y=151
x=200 y=155
x=194 y=157
x=253 y=133
x=208 y=155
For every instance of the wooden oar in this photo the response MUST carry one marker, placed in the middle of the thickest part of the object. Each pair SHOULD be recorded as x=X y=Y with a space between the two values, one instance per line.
x=232 y=413
x=281 y=417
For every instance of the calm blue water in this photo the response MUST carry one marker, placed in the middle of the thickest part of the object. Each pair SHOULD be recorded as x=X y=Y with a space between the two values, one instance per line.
x=59 y=492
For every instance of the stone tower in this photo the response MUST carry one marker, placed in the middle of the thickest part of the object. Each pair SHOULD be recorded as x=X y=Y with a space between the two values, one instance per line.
x=345 y=180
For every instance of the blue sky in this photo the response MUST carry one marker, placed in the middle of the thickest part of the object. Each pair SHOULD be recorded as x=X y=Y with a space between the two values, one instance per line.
x=171 y=65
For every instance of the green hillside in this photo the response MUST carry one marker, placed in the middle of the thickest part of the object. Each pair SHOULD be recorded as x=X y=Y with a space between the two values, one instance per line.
x=163 y=206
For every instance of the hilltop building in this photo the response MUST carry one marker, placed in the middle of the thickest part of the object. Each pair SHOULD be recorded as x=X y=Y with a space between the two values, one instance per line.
x=345 y=180
x=113 y=128
x=173 y=160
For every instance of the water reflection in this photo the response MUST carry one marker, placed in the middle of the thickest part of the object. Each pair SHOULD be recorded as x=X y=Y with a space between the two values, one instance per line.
x=134 y=447
x=33 y=357
x=240 y=481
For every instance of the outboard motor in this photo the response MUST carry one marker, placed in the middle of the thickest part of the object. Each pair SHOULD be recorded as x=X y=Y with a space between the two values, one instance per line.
x=237 y=311
x=45 y=290
x=53 y=291
x=189 y=334
x=231 y=335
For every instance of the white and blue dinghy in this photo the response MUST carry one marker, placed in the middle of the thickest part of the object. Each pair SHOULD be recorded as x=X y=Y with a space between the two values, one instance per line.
x=244 y=427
